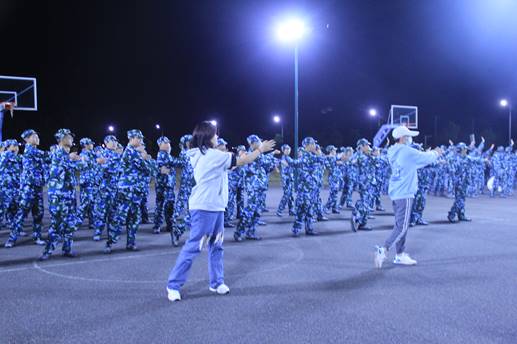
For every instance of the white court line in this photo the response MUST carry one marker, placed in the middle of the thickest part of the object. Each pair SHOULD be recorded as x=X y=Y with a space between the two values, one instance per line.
x=44 y=268
x=87 y=261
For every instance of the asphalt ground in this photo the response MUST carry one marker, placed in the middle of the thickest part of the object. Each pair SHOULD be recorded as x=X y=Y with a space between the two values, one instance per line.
x=321 y=289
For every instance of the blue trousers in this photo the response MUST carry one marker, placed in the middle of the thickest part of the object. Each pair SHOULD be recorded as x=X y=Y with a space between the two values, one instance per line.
x=207 y=226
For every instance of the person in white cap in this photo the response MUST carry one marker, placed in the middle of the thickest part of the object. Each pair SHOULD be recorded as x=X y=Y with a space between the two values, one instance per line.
x=403 y=184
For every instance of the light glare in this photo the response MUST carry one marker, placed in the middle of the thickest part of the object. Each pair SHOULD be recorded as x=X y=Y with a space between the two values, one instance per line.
x=292 y=30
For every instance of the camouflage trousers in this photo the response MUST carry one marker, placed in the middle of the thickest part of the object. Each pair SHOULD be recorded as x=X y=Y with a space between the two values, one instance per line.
x=348 y=190
x=63 y=221
x=31 y=200
x=418 y=207
x=251 y=215
x=144 y=211
x=104 y=208
x=334 y=187
x=87 y=203
x=235 y=204
x=458 y=207
x=127 y=213
x=9 y=204
x=181 y=216
x=287 y=197
x=304 y=211
x=165 y=199
x=363 y=206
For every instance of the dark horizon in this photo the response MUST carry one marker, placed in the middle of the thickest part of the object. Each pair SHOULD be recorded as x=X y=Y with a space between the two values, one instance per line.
x=135 y=64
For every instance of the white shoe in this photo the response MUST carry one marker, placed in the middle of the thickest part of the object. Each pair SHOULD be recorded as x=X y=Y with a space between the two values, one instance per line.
x=173 y=295
x=221 y=290
x=380 y=256
x=404 y=259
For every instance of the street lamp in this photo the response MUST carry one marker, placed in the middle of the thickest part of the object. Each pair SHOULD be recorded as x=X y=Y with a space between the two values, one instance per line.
x=373 y=113
x=278 y=120
x=214 y=123
x=157 y=126
x=111 y=128
x=292 y=31
x=505 y=103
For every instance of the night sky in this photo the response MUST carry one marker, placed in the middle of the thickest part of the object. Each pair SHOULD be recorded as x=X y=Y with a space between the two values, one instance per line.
x=134 y=64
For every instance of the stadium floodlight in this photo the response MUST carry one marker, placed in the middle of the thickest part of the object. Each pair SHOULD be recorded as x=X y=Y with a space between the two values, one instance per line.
x=505 y=103
x=278 y=120
x=291 y=30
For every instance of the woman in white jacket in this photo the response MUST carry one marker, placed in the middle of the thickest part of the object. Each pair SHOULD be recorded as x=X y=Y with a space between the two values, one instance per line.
x=207 y=203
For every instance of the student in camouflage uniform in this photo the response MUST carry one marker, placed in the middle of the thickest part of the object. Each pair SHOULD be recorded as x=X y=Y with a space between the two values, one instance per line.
x=306 y=184
x=10 y=169
x=424 y=175
x=255 y=186
x=146 y=184
x=236 y=190
x=349 y=173
x=335 y=178
x=35 y=167
x=287 y=175
x=88 y=181
x=222 y=146
x=61 y=195
x=181 y=216
x=135 y=164
x=461 y=165
x=165 y=185
x=109 y=169
x=319 y=171
x=380 y=162
x=366 y=183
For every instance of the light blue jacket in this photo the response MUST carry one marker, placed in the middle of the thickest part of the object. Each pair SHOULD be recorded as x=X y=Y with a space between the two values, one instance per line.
x=404 y=162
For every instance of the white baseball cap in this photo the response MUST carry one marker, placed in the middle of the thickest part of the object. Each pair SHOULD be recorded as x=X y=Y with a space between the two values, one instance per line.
x=401 y=131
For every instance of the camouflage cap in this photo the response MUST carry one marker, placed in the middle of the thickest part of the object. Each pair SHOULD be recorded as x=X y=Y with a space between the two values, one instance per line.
x=135 y=133
x=61 y=133
x=11 y=142
x=308 y=141
x=362 y=142
x=27 y=133
x=253 y=139
x=85 y=141
x=163 y=139
x=110 y=138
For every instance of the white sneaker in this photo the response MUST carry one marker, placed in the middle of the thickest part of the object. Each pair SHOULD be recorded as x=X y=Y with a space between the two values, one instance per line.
x=221 y=290
x=404 y=259
x=380 y=256
x=173 y=295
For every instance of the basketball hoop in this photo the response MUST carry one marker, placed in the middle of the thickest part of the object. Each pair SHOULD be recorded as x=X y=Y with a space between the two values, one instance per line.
x=9 y=106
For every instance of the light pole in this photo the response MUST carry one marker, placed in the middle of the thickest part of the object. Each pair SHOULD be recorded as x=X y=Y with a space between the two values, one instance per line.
x=278 y=120
x=292 y=31
x=505 y=103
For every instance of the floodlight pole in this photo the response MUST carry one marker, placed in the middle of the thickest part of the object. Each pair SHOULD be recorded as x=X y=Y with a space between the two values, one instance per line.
x=509 y=123
x=296 y=139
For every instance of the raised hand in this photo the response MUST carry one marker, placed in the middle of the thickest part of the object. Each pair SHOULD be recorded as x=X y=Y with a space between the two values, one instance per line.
x=267 y=146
